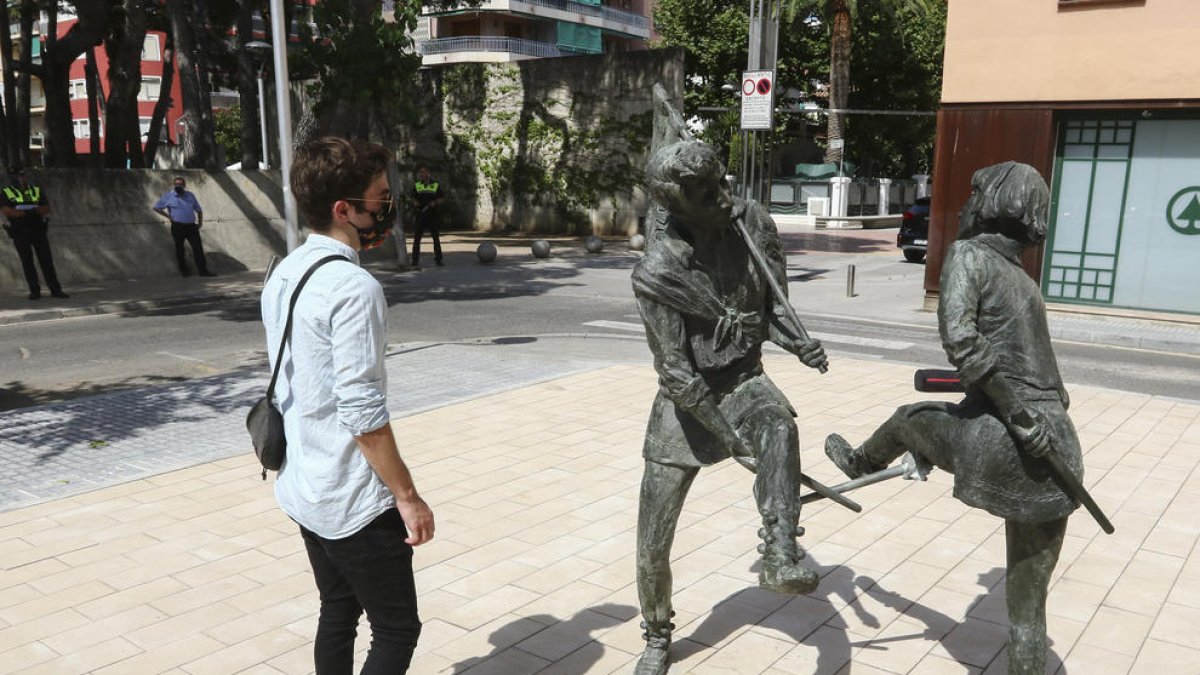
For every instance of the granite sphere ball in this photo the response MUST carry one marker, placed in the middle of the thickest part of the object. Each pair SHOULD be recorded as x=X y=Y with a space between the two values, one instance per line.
x=637 y=242
x=594 y=244
x=540 y=248
x=486 y=252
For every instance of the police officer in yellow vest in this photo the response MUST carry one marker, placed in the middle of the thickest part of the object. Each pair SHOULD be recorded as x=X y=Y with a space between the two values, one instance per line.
x=427 y=196
x=25 y=207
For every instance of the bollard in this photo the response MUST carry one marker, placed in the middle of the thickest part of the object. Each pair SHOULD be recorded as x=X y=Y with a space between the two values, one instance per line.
x=486 y=252
x=850 y=281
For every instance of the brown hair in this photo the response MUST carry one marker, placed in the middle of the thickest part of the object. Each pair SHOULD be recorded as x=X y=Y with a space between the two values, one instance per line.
x=1010 y=198
x=331 y=168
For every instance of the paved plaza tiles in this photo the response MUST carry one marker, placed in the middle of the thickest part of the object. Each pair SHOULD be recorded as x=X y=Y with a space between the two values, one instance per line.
x=195 y=571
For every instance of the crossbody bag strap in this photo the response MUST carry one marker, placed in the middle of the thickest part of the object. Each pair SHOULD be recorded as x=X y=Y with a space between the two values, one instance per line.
x=287 y=327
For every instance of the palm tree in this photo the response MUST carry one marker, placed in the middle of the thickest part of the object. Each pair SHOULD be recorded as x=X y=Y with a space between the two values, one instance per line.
x=839 y=14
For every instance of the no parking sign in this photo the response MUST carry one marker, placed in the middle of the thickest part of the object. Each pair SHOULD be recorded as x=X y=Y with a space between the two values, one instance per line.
x=758 y=100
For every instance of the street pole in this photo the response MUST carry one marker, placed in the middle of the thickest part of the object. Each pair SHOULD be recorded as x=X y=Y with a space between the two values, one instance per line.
x=283 y=105
x=262 y=116
x=762 y=49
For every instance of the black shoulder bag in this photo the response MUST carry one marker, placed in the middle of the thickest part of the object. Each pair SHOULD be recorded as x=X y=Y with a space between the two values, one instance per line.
x=265 y=422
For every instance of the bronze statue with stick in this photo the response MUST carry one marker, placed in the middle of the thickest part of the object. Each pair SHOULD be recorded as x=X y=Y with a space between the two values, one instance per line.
x=1009 y=443
x=711 y=291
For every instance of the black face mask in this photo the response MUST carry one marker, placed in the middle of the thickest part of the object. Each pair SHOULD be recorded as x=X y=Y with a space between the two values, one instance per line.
x=381 y=222
x=178 y=189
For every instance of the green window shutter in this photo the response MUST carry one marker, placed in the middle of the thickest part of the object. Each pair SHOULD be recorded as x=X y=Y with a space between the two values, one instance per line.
x=37 y=47
x=577 y=37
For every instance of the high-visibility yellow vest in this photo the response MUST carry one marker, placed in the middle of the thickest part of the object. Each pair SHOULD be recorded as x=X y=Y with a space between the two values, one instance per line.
x=427 y=187
x=32 y=194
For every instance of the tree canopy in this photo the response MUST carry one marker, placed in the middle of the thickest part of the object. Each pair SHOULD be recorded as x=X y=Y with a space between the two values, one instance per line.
x=896 y=65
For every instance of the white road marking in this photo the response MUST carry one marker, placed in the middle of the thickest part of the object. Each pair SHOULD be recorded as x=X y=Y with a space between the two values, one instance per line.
x=617 y=325
x=891 y=345
x=185 y=358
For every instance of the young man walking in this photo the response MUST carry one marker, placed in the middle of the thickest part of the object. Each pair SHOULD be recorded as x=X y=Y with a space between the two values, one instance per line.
x=343 y=481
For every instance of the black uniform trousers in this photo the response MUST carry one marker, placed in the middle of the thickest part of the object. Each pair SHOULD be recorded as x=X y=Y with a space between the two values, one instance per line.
x=189 y=232
x=30 y=240
x=427 y=221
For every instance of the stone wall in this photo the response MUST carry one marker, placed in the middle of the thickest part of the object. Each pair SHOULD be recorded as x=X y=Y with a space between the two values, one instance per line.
x=546 y=145
x=102 y=226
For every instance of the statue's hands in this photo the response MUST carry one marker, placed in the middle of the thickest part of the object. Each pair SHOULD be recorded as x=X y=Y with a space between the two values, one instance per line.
x=1029 y=428
x=810 y=352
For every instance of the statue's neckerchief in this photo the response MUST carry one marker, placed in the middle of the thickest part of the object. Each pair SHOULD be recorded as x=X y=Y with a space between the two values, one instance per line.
x=668 y=275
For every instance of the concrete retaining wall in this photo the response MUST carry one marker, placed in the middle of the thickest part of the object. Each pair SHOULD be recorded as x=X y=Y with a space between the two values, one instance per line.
x=102 y=226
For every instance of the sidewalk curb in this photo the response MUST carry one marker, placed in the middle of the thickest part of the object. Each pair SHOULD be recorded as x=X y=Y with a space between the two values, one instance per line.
x=125 y=306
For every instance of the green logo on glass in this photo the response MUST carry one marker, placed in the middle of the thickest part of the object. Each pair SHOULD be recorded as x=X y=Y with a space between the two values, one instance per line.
x=1183 y=213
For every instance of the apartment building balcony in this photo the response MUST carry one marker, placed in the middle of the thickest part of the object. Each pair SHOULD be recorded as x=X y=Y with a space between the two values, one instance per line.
x=604 y=17
x=484 y=49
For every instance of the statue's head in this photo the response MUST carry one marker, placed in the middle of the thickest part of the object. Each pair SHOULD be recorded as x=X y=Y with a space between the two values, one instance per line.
x=688 y=179
x=1009 y=198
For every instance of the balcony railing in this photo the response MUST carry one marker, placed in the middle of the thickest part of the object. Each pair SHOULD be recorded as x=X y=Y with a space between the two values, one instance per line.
x=488 y=44
x=601 y=11
x=621 y=16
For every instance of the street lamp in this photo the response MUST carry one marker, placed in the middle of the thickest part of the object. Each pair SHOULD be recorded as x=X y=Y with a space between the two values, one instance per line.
x=283 y=108
x=260 y=49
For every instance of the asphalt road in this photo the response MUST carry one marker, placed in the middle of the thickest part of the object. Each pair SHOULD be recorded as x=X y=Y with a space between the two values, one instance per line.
x=569 y=298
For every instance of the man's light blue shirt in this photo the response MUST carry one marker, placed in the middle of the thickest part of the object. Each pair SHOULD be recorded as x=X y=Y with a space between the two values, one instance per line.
x=182 y=207
x=332 y=387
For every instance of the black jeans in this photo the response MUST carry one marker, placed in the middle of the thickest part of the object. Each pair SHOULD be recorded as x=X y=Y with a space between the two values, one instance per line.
x=30 y=240
x=372 y=570
x=190 y=233
x=427 y=222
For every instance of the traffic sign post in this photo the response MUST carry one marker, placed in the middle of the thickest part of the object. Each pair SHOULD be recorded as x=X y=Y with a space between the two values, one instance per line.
x=758 y=100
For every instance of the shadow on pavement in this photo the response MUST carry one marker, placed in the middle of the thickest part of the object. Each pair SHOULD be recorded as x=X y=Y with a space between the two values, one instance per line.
x=574 y=636
x=861 y=241
x=16 y=395
x=90 y=426
x=810 y=622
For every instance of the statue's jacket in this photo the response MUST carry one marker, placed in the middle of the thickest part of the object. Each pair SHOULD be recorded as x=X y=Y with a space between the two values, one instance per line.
x=992 y=322
x=707 y=313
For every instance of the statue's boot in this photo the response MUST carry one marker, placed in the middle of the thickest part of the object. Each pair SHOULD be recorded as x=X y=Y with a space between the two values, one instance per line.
x=853 y=461
x=655 y=660
x=781 y=568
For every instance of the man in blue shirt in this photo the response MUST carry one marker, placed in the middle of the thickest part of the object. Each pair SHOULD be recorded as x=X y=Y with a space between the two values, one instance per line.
x=183 y=211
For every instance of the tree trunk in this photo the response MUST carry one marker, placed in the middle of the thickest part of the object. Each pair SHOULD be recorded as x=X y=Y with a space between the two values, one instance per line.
x=8 y=128
x=248 y=86
x=208 y=124
x=124 y=48
x=55 y=72
x=348 y=118
x=198 y=139
x=94 y=93
x=28 y=9
x=164 y=99
x=839 y=75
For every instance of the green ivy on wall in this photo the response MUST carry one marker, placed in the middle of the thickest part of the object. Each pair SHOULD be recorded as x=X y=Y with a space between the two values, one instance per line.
x=569 y=155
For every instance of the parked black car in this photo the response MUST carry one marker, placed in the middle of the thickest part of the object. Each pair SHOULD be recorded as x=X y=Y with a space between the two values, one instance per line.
x=914 y=231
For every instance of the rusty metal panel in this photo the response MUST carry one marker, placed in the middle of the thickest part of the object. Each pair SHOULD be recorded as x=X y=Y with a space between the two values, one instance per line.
x=970 y=138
